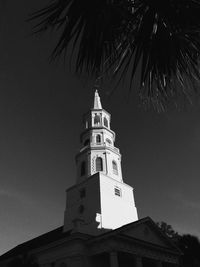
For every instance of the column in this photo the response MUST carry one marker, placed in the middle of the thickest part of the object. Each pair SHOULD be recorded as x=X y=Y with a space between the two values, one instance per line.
x=138 y=262
x=114 y=259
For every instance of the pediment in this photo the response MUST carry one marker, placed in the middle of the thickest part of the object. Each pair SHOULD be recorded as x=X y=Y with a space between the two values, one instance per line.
x=146 y=230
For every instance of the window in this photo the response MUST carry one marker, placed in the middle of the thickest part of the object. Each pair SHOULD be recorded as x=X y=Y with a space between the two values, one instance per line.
x=105 y=122
x=82 y=193
x=98 y=139
x=97 y=119
x=114 y=165
x=83 y=168
x=118 y=192
x=99 y=164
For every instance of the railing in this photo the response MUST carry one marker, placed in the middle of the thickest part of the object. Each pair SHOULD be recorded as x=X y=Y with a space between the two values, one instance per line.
x=104 y=144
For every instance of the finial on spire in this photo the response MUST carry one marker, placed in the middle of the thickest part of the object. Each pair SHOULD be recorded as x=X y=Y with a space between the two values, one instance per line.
x=97 y=101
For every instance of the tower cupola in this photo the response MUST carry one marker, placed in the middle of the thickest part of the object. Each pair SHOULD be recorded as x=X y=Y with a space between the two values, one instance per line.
x=98 y=152
x=97 y=116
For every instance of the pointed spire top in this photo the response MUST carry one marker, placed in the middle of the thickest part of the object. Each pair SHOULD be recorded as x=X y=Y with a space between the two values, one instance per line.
x=97 y=101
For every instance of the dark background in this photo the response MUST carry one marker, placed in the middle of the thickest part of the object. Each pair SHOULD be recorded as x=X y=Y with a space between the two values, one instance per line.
x=41 y=108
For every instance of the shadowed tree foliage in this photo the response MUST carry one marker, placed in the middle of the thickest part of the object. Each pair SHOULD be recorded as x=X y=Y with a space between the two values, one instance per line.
x=23 y=261
x=161 y=38
x=188 y=244
x=168 y=230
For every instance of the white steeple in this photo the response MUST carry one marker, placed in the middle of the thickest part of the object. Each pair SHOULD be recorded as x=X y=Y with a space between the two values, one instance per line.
x=97 y=101
x=97 y=141
x=100 y=198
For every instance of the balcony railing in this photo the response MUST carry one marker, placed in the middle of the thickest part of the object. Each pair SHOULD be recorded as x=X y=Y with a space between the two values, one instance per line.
x=105 y=145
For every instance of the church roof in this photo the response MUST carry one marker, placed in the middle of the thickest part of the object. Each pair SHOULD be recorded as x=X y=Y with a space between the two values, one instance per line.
x=37 y=242
x=126 y=231
x=137 y=231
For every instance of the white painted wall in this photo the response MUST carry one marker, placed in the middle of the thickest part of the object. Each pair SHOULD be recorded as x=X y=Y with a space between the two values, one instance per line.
x=116 y=211
x=102 y=208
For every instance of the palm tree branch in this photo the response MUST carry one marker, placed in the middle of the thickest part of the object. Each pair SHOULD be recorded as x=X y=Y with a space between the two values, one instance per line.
x=162 y=38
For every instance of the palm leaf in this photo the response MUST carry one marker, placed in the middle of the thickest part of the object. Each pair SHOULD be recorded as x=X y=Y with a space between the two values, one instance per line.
x=162 y=38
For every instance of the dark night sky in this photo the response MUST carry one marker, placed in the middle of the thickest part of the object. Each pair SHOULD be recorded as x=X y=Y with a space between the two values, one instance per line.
x=41 y=105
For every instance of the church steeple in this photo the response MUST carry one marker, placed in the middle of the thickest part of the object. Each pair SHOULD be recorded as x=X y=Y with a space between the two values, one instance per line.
x=98 y=152
x=100 y=200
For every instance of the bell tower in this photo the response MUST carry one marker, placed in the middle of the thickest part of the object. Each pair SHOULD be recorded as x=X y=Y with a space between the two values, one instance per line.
x=99 y=200
x=98 y=153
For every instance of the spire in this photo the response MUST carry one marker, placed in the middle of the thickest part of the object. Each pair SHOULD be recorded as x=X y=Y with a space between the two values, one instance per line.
x=97 y=101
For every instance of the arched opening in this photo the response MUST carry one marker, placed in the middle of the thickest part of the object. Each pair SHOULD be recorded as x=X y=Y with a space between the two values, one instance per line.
x=97 y=120
x=98 y=138
x=114 y=165
x=105 y=122
x=83 y=168
x=99 y=164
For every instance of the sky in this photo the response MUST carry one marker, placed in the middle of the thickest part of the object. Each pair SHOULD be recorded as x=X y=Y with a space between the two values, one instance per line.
x=41 y=108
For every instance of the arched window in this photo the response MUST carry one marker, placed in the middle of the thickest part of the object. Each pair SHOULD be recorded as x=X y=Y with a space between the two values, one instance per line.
x=86 y=143
x=105 y=122
x=99 y=164
x=98 y=138
x=83 y=168
x=97 y=120
x=115 y=169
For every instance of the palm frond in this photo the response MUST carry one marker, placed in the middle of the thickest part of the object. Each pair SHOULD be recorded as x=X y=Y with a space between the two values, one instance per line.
x=162 y=38
x=92 y=24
